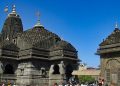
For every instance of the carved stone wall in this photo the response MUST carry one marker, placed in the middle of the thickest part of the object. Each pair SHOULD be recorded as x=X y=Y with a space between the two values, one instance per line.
x=110 y=69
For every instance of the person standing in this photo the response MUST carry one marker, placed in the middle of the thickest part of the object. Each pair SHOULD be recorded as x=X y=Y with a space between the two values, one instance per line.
x=3 y=84
x=55 y=84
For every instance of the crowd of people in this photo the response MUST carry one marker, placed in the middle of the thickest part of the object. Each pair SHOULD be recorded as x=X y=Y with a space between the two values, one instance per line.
x=67 y=84
x=72 y=82
x=75 y=84
x=8 y=84
x=100 y=82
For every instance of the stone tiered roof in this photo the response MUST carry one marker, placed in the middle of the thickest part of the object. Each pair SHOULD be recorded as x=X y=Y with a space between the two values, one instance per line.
x=112 y=38
x=8 y=45
x=63 y=45
x=111 y=43
x=39 y=37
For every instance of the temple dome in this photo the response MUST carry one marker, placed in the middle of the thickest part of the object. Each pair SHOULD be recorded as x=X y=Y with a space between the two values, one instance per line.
x=39 y=37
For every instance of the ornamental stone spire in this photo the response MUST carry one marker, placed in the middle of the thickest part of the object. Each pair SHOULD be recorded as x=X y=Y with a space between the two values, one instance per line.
x=13 y=13
x=38 y=20
x=116 y=25
x=14 y=9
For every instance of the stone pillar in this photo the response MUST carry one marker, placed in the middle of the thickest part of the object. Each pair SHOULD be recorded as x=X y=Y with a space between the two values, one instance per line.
x=1 y=71
x=25 y=74
x=1 y=68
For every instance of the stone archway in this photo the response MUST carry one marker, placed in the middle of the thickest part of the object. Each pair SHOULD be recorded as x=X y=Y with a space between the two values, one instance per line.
x=56 y=69
x=112 y=71
x=8 y=69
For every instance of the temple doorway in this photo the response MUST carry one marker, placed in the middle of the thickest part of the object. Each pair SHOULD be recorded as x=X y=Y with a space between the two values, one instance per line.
x=56 y=69
x=8 y=69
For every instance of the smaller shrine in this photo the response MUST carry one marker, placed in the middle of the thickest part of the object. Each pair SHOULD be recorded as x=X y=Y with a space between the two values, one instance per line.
x=109 y=51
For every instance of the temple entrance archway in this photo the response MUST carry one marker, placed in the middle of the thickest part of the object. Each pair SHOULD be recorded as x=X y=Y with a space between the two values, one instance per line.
x=8 y=69
x=113 y=71
x=56 y=69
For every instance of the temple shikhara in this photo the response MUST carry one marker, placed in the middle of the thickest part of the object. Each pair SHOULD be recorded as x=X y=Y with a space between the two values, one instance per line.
x=37 y=56
x=109 y=51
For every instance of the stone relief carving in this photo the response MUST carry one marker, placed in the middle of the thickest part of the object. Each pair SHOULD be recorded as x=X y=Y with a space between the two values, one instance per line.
x=112 y=64
x=43 y=72
x=62 y=67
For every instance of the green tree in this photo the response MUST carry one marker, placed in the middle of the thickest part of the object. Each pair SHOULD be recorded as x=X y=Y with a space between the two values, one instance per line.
x=86 y=79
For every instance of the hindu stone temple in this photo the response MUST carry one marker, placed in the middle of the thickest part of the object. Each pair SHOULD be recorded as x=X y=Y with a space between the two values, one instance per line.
x=35 y=56
x=109 y=52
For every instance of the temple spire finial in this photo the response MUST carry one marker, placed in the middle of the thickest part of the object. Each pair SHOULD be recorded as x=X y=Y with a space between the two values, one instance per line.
x=116 y=25
x=38 y=19
x=13 y=9
x=13 y=13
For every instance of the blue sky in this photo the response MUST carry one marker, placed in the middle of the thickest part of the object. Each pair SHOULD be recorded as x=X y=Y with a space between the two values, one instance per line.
x=83 y=23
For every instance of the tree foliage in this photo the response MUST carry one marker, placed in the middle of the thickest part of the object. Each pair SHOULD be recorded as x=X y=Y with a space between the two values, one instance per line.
x=86 y=79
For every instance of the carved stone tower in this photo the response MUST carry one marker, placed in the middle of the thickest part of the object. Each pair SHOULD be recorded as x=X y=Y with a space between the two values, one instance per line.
x=12 y=26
